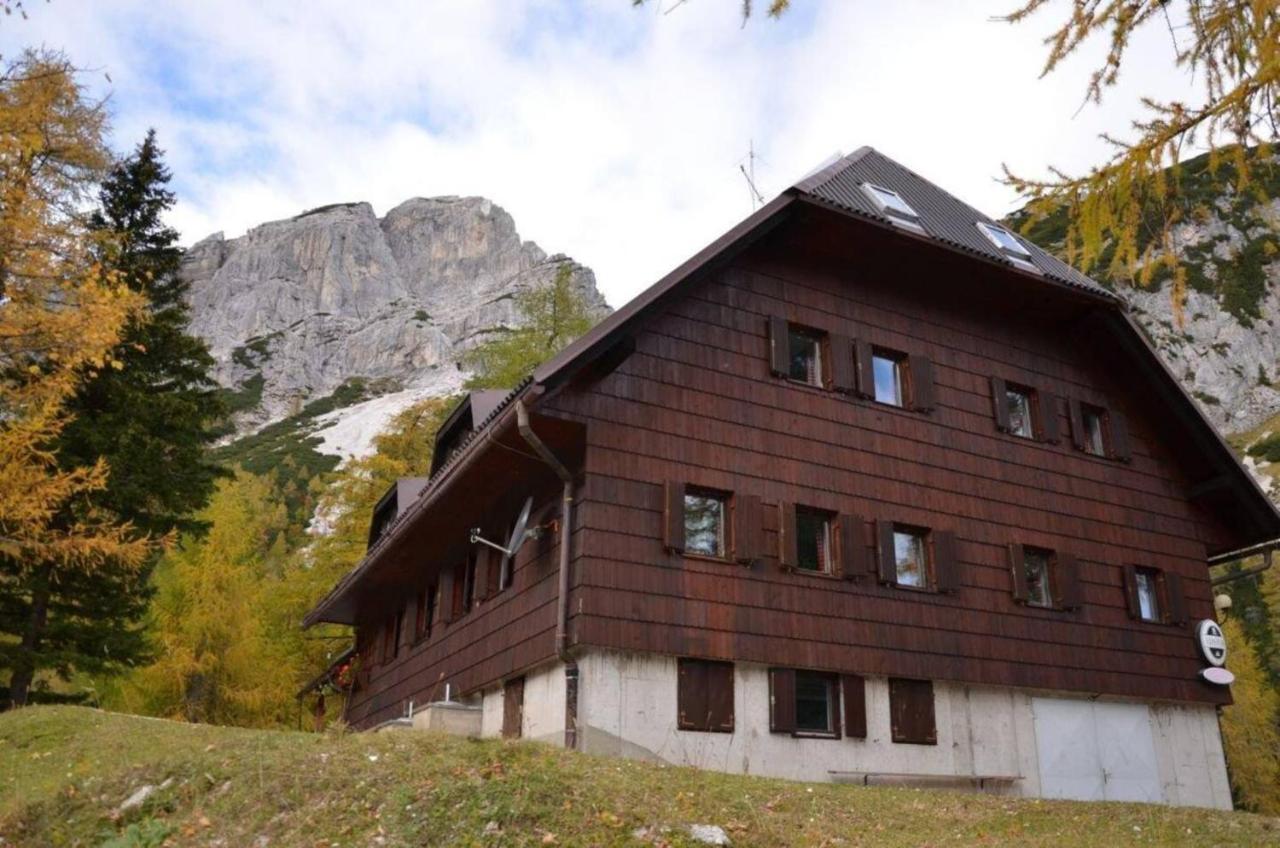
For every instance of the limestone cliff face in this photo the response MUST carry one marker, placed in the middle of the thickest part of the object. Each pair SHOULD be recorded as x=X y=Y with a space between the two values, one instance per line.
x=295 y=308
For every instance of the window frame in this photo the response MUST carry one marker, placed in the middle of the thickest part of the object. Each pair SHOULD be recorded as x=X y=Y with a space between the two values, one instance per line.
x=1011 y=247
x=831 y=685
x=1152 y=578
x=891 y=203
x=1031 y=417
x=819 y=341
x=1050 y=559
x=1090 y=412
x=925 y=536
x=827 y=554
x=902 y=376
x=724 y=540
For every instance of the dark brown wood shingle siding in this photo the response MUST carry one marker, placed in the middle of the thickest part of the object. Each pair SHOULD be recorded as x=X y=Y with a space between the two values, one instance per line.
x=696 y=402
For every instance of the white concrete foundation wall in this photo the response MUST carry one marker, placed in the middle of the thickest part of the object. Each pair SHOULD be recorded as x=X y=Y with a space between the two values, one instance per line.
x=544 y=706
x=627 y=707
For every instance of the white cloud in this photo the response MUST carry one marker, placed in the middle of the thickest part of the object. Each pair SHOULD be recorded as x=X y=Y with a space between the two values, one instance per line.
x=610 y=133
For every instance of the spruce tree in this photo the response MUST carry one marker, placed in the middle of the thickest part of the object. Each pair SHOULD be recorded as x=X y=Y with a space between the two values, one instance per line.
x=149 y=419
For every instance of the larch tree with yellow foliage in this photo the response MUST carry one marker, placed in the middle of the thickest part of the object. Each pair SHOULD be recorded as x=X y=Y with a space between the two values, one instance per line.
x=1250 y=733
x=61 y=315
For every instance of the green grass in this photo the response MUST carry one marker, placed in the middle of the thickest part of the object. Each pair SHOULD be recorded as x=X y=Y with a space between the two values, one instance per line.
x=64 y=772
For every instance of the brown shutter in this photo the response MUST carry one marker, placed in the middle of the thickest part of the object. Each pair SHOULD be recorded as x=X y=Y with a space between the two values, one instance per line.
x=782 y=700
x=1049 y=429
x=865 y=369
x=886 y=558
x=855 y=705
x=779 y=346
x=1119 y=436
x=1018 y=569
x=1000 y=404
x=921 y=382
x=946 y=570
x=673 y=517
x=691 y=694
x=1131 y=592
x=495 y=573
x=447 y=596
x=459 y=590
x=482 y=590
x=844 y=377
x=853 y=560
x=788 y=554
x=1175 y=599
x=1077 y=424
x=1066 y=573
x=747 y=530
x=719 y=696
x=911 y=717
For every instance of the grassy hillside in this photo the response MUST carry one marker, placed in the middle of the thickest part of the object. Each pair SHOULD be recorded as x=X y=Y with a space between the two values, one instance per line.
x=66 y=771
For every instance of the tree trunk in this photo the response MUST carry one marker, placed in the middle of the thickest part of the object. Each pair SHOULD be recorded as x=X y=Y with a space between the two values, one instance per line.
x=25 y=667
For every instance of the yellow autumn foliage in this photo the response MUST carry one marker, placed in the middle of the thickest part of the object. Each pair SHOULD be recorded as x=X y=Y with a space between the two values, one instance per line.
x=1250 y=733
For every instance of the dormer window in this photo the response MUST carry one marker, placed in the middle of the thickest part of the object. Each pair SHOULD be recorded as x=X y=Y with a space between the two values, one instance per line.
x=1005 y=240
x=890 y=202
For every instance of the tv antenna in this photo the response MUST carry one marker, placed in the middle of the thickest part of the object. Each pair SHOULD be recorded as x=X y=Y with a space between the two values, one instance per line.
x=749 y=174
x=519 y=533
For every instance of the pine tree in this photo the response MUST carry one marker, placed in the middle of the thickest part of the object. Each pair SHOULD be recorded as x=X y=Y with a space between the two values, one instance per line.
x=1249 y=727
x=61 y=315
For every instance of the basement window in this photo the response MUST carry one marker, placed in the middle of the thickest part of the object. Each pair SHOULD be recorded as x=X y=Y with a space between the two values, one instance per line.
x=704 y=523
x=704 y=695
x=815 y=703
x=911 y=715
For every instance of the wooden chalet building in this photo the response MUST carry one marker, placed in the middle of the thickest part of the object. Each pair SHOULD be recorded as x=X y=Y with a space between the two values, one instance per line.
x=870 y=489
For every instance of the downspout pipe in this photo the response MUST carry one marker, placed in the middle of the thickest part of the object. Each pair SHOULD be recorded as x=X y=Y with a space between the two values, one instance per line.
x=562 y=594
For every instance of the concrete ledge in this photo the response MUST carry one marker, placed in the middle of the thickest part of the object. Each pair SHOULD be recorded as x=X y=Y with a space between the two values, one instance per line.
x=979 y=782
x=449 y=717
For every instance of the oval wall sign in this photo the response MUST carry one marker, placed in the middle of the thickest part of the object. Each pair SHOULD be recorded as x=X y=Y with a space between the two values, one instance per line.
x=1220 y=676
x=1213 y=645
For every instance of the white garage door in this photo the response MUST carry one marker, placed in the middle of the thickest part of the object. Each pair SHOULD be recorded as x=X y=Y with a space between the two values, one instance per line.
x=1095 y=751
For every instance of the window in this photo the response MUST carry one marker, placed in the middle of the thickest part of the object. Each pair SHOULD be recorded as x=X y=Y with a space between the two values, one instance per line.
x=815 y=702
x=911 y=716
x=1147 y=585
x=889 y=201
x=806 y=355
x=469 y=583
x=887 y=370
x=1037 y=564
x=704 y=695
x=911 y=557
x=704 y=523
x=389 y=639
x=1003 y=239
x=426 y=613
x=1018 y=404
x=813 y=540
x=1092 y=422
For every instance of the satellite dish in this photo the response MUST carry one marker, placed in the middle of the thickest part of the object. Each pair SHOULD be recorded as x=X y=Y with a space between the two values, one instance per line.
x=518 y=532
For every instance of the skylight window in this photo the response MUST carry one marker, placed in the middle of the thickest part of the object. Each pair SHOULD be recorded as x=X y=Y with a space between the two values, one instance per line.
x=890 y=202
x=1004 y=240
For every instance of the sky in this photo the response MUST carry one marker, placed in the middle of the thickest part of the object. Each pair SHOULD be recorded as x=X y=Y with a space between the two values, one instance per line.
x=610 y=133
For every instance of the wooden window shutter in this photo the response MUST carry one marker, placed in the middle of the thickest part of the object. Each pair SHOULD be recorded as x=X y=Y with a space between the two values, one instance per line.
x=1049 y=429
x=482 y=589
x=946 y=569
x=747 y=530
x=1078 y=437
x=691 y=694
x=1131 y=592
x=1066 y=575
x=673 y=517
x=779 y=346
x=865 y=368
x=911 y=716
x=494 y=581
x=782 y=700
x=1018 y=569
x=719 y=696
x=854 y=694
x=920 y=377
x=788 y=553
x=853 y=560
x=844 y=377
x=420 y=614
x=1175 y=600
x=447 y=596
x=1000 y=404
x=886 y=557
x=1119 y=432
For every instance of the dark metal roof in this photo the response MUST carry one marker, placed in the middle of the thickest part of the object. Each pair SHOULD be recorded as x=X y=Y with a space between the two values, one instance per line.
x=942 y=216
